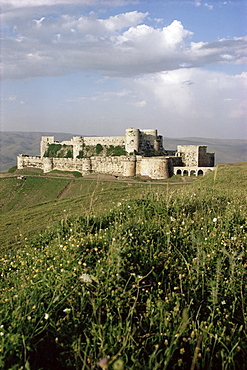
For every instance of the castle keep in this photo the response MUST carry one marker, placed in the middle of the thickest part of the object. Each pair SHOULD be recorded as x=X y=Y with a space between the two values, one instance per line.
x=138 y=153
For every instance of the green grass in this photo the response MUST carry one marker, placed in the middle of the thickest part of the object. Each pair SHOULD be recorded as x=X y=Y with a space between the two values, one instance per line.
x=153 y=282
x=29 y=206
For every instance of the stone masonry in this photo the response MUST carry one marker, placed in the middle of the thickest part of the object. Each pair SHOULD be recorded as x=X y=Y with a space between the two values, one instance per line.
x=145 y=156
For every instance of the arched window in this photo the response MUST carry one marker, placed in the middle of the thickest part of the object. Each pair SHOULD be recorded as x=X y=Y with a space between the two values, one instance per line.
x=185 y=173
x=200 y=173
x=178 y=172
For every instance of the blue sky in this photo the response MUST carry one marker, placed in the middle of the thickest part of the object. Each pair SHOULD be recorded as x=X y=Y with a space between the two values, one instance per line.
x=96 y=67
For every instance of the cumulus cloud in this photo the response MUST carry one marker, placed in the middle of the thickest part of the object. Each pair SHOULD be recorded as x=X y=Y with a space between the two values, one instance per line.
x=121 y=45
x=217 y=109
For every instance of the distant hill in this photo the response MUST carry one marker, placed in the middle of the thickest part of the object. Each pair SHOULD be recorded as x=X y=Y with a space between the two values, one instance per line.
x=13 y=143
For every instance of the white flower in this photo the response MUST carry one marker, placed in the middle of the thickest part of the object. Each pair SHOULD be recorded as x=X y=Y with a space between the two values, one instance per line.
x=67 y=310
x=172 y=218
x=85 y=278
x=214 y=219
x=46 y=316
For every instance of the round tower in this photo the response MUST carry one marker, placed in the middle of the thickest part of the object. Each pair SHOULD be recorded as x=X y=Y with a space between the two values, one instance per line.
x=47 y=164
x=86 y=165
x=132 y=140
x=129 y=166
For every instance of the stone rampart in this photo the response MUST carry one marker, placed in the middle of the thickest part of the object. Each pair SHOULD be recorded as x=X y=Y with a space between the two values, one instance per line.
x=26 y=161
x=155 y=167
x=108 y=140
x=107 y=165
x=189 y=159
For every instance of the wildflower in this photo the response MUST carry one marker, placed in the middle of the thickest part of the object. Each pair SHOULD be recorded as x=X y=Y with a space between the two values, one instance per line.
x=172 y=218
x=67 y=310
x=85 y=278
x=46 y=316
x=182 y=351
x=214 y=219
x=103 y=363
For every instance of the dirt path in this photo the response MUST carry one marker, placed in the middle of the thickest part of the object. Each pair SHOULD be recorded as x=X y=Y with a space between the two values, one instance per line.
x=65 y=189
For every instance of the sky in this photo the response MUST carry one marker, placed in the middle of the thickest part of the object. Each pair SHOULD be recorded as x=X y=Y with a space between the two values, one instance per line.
x=97 y=67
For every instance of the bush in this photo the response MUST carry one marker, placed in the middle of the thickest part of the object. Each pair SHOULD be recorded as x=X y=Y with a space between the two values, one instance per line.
x=69 y=154
x=52 y=150
x=115 y=150
x=99 y=148
x=81 y=154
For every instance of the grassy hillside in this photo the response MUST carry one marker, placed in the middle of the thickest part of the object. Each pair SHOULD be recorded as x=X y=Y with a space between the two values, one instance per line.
x=28 y=206
x=14 y=143
x=151 y=281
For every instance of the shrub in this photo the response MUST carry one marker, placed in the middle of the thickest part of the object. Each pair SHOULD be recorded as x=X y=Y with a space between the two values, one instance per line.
x=69 y=154
x=52 y=150
x=115 y=150
x=81 y=154
x=99 y=148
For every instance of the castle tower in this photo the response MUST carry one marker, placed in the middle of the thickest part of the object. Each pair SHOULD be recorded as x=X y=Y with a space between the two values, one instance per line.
x=44 y=143
x=129 y=166
x=132 y=140
x=20 y=162
x=77 y=143
x=47 y=164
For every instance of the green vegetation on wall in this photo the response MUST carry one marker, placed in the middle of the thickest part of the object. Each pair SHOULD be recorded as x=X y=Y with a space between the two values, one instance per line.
x=115 y=150
x=59 y=151
x=99 y=148
x=81 y=154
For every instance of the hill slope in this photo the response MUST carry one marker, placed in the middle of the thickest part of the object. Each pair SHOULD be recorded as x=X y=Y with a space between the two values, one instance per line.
x=155 y=282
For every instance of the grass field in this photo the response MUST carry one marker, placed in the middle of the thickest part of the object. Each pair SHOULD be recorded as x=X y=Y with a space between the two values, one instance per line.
x=29 y=206
x=126 y=276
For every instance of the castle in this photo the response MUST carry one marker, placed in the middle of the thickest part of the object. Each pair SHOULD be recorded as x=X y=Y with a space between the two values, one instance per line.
x=138 y=153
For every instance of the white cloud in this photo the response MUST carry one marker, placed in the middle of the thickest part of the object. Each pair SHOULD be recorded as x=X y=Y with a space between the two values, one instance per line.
x=198 y=102
x=121 y=45
x=209 y=6
x=140 y=104
x=9 y=99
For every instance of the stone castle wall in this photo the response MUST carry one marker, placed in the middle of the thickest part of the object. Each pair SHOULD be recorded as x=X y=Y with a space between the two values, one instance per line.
x=128 y=166
x=195 y=156
x=135 y=141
